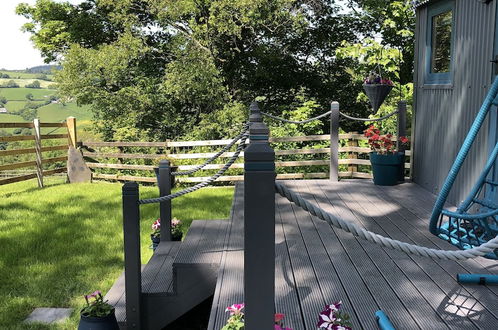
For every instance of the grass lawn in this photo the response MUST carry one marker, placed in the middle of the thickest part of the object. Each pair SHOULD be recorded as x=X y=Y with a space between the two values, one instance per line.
x=23 y=75
x=8 y=118
x=64 y=241
x=56 y=112
x=24 y=81
x=19 y=94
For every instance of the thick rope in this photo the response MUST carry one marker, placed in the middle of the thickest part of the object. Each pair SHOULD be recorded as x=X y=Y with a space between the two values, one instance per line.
x=358 y=231
x=198 y=186
x=369 y=119
x=295 y=121
x=218 y=154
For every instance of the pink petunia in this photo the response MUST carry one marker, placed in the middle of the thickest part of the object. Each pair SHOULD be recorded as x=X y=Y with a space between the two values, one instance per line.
x=235 y=309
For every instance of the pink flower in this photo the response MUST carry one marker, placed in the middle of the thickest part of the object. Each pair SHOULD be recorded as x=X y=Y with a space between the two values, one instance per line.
x=279 y=317
x=156 y=225
x=94 y=294
x=235 y=309
x=175 y=222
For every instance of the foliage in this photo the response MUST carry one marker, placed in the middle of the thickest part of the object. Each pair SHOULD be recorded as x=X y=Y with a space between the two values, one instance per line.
x=176 y=229
x=382 y=144
x=66 y=226
x=96 y=306
x=9 y=84
x=236 y=319
x=333 y=319
x=30 y=97
x=34 y=84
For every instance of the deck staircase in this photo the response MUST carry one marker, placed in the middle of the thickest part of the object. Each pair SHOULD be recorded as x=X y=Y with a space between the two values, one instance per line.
x=179 y=276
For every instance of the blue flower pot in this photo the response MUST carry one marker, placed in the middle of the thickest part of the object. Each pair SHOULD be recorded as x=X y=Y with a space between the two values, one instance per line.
x=387 y=169
x=108 y=322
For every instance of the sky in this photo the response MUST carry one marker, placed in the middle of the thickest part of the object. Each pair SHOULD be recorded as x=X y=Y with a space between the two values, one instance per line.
x=18 y=52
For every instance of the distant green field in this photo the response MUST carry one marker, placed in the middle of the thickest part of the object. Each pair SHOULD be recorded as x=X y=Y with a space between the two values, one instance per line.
x=24 y=82
x=18 y=105
x=19 y=94
x=8 y=118
x=23 y=75
x=57 y=112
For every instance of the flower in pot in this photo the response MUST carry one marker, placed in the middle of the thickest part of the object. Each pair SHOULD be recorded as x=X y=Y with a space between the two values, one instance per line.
x=377 y=89
x=333 y=319
x=176 y=230
x=236 y=319
x=387 y=162
x=155 y=237
x=97 y=314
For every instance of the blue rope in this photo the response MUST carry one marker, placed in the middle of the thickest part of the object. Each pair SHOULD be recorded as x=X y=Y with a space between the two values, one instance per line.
x=462 y=154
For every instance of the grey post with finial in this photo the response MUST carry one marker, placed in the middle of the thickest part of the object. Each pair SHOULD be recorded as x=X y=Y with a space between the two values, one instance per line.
x=164 y=183
x=334 y=141
x=259 y=226
x=133 y=278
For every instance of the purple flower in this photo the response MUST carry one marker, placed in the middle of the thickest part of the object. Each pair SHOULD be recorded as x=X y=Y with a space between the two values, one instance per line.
x=235 y=309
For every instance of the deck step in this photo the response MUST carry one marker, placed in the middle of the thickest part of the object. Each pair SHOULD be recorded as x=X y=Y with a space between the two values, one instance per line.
x=157 y=276
x=203 y=244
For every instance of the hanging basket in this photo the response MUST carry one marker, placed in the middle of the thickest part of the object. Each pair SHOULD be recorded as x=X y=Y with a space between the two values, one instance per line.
x=377 y=93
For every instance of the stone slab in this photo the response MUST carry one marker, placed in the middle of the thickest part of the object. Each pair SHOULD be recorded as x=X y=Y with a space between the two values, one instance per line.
x=49 y=315
x=77 y=171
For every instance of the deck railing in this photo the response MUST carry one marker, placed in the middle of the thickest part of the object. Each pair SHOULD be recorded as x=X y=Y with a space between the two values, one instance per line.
x=36 y=148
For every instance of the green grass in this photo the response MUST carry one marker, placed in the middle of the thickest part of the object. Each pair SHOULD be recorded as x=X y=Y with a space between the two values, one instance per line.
x=19 y=94
x=64 y=241
x=56 y=112
x=18 y=105
x=23 y=75
x=8 y=118
x=24 y=82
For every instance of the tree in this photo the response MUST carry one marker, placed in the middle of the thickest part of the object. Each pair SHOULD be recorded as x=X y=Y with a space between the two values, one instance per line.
x=30 y=97
x=10 y=84
x=34 y=84
x=153 y=69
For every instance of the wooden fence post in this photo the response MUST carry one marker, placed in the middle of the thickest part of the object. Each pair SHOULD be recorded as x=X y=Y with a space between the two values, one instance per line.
x=353 y=142
x=71 y=131
x=401 y=130
x=133 y=271
x=259 y=226
x=39 y=165
x=334 y=141
x=164 y=183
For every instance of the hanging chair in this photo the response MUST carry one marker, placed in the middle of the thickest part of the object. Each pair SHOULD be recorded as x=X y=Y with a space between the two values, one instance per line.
x=476 y=219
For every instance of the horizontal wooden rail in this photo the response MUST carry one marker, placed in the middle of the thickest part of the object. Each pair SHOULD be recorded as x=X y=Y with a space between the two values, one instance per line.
x=17 y=165
x=31 y=150
x=16 y=138
x=126 y=144
x=53 y=124
x=16 y=125
x=123 y=155
x=31 y=176
x=54 y=136
x=123 y=177
x=54 y=160
x=122 y=166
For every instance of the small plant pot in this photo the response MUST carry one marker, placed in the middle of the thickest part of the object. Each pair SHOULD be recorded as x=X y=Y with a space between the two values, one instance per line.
x=176 y=237
x=108 y=322
x=155 y=241
x=387 y=169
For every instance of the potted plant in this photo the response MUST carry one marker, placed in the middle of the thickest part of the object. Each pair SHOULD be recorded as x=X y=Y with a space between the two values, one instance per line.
x=176 y=230
x=97 y=314
x=377 y=89
x=236 y=319
x=155 y=237
x=332 y=319
x=387 y=162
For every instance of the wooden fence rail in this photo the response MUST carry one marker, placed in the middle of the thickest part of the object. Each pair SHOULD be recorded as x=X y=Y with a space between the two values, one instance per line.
x=351 y=157
x=37 y=150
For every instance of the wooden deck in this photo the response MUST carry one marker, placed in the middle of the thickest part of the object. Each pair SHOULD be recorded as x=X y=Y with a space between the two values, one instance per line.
x=316 y=265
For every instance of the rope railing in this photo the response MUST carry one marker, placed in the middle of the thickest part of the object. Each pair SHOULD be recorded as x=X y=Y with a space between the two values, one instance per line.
x=296 y=121
x=360 y=232
x=369 y=119
x=217 y=155
x=198 y=186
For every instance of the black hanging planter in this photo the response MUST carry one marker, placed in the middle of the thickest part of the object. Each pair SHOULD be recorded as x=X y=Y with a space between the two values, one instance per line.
x=377 y=93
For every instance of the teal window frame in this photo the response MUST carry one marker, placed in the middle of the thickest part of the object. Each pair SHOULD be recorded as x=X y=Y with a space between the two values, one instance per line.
x=439 y=78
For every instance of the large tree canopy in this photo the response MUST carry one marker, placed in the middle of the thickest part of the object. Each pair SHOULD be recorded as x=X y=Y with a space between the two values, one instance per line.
x=156 y=69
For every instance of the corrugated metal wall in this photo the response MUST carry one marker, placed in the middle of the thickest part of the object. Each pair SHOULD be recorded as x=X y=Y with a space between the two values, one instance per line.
x=445 y=114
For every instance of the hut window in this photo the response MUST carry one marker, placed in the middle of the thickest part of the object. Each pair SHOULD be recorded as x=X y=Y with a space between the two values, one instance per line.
x=439 y=43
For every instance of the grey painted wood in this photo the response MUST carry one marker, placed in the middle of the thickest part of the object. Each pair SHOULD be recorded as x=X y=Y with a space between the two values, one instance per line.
x=316 y=264
x=401 y=124
x=164 y=184
x=444 y=113
x=334 y=142
x=157 y=276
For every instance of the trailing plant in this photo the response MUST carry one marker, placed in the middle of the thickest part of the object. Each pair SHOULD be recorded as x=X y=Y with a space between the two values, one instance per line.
x=333 y=319
x=96 y=306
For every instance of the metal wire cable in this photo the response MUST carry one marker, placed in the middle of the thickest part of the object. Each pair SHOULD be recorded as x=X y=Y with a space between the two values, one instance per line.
x=198 y=186
x=218 y=154
x=369 y=119
x=295 y=121
x=358 y=231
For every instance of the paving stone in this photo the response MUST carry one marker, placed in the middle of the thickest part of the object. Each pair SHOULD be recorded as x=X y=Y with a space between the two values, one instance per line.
x=49 y=315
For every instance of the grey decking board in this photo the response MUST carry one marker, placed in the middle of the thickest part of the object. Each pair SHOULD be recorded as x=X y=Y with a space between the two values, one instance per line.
x=191 y=242
x=152 y=270
x=478 y=265
x=309 y=293
x=443 y=273
x=328 y=280
x=380 y=289
x=210 y=245
x=286 y=298
x=162 y=281
x=383 y=226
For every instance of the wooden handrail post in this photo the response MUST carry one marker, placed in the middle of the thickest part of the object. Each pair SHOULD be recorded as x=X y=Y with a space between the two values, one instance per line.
x=71 y=131
x=401 y=130
x=164 y=183
x=133 y=271
x=38 y=152
x=334 y=141
x=353 y=142
x=259 y=226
